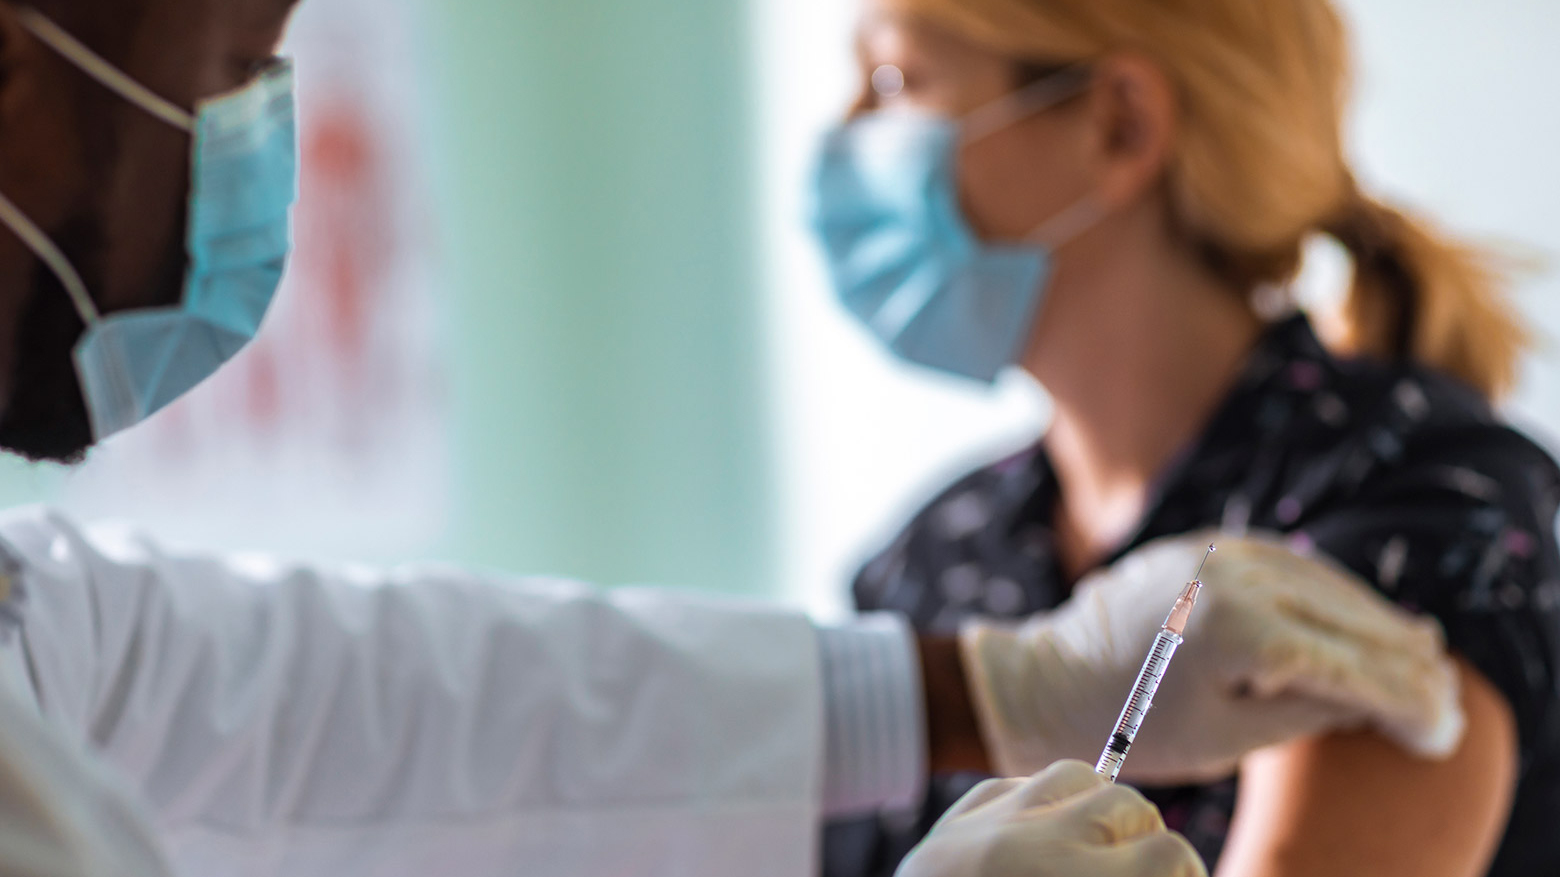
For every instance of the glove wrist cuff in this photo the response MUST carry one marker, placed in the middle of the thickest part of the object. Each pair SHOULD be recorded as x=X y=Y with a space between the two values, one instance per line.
x=1008 y=696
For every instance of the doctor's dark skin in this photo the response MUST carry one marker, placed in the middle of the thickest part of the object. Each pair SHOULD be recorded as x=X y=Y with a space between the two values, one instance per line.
x=108 y=183
x=104 y=179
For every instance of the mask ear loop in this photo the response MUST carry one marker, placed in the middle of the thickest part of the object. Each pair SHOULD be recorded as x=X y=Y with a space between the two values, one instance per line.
x=1074 y=220
x=1036 y=97
x=45 y=250
x=111 y=77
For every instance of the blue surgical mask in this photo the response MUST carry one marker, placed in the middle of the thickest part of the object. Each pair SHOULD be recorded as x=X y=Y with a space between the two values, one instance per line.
x=904 y=260
x=243 y=179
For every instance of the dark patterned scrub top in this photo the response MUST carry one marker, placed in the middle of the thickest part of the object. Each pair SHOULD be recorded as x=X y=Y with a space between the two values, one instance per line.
x=1403 y=475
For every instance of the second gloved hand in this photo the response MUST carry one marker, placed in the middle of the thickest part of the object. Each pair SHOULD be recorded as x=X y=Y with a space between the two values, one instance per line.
x=1065 y=822
x=1280 y=646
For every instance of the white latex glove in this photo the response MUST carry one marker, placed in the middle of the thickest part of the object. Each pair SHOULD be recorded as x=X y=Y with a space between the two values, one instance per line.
x=1280 y=646
x=62 y=812
x=1065 y=822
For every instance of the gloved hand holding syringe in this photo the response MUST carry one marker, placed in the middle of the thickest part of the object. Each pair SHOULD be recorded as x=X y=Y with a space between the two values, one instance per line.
x=1282 y=645
x=1142 y=697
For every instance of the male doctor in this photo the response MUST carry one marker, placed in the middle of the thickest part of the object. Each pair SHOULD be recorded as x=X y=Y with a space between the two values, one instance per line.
x=163 y=712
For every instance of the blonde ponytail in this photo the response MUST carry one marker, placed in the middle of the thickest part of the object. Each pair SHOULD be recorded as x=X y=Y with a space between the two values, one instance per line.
x=1419 y=295
x=1259 y=166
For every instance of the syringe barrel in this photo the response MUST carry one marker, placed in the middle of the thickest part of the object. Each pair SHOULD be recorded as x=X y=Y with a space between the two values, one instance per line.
x=1109 y=765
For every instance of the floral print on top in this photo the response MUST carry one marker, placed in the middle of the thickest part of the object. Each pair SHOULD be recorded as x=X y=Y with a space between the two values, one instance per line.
x=1402 y=474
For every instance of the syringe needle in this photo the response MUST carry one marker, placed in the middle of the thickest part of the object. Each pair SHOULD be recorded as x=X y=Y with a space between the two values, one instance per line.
x=1198 y=576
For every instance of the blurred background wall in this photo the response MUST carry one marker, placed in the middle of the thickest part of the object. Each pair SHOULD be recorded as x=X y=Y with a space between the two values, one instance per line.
x=554 y=308
x=596 y=205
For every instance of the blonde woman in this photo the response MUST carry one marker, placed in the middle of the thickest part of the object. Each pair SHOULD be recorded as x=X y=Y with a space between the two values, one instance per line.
x=1112 y=195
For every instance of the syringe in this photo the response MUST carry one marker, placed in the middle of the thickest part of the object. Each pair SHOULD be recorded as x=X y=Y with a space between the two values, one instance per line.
x=1142 y=697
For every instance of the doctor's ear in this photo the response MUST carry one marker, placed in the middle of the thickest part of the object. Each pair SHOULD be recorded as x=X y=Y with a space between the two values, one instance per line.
x=37 y=112
x=1132 y=111
x=13 y=52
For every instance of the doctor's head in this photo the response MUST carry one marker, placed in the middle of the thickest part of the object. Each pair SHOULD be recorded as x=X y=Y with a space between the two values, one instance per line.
x=101 y=177
x=1006 y=159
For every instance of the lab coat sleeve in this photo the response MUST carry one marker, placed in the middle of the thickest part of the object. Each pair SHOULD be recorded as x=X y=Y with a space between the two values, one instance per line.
x=293 y=720
x=875 y=748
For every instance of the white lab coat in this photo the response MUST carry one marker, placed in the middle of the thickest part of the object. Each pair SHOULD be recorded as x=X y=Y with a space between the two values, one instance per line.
x=267 y=719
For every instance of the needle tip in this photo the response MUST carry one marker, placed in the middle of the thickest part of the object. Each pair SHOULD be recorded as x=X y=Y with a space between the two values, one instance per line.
x=1204 y=562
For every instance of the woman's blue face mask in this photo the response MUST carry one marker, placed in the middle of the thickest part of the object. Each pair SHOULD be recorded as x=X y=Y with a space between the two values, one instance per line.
x=902 y=256
x=244 y=171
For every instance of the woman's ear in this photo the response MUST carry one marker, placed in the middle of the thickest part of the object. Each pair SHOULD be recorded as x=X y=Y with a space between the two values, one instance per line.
x=1133 y=108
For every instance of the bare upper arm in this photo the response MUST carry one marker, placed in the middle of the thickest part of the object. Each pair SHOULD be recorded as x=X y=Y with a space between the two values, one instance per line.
x=1355 y=804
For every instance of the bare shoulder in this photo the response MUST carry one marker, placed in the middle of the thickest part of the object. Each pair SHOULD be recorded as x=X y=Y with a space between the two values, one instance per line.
x=1355 y=804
